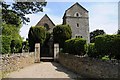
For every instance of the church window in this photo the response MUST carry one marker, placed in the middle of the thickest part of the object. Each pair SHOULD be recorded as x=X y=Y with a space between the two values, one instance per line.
x=78 y=36
x=46 y=26
x=77 y=25
x=77 y=14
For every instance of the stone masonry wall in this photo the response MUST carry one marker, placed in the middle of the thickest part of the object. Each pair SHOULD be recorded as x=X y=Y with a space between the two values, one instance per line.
x=16 y=61
x=87 y=67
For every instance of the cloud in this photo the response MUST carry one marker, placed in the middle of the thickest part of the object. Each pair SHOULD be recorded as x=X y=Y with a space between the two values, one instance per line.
x=104 y=16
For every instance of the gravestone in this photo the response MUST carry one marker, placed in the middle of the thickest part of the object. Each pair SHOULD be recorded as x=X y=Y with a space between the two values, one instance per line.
x=37 y=52
x=56 y=51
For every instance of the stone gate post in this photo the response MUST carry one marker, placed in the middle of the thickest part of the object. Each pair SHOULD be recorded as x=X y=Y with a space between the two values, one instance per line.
x=37 y=52
x=56 y=51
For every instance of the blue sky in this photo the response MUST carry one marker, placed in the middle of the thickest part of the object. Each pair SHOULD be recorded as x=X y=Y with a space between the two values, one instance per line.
x=102 y=14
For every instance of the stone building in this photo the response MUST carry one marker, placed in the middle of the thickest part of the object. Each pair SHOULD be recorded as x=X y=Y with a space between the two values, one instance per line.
x=77 y=17
x=47 y=23
x=47 y=48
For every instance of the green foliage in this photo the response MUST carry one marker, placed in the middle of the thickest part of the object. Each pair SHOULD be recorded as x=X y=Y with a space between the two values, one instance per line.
x=61 y=33
x=105 y=58
x=16 y=46
x=108 y=45
x=6 y=41
x=25 y=46
x=75 y=46
x=36 y=34
x=95 y=33
x=92 y=51
x=11 y=12
x=11 y=31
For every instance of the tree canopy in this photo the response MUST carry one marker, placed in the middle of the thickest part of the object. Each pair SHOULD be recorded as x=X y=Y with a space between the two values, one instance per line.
x=95 y=33
x=12 y=13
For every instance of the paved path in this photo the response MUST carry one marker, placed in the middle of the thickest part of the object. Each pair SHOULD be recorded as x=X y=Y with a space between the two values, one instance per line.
x=43 y=70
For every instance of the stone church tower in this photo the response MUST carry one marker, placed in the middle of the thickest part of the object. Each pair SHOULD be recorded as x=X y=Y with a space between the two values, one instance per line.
x=77 y=17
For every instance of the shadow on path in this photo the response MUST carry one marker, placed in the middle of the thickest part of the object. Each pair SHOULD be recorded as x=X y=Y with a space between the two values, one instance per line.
x=61 y=68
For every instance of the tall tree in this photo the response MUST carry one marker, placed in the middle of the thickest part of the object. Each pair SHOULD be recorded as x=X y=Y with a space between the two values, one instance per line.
x=20 y=9
x=95 y=33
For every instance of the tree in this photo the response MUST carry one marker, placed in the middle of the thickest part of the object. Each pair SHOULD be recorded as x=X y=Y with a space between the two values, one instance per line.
x=95 y=33
x=19 y=9
x=61 y=33
x=36 y=34
x=11 y=38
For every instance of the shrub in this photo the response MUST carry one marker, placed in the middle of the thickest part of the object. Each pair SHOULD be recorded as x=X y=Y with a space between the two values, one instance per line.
x=108 y=45
x=75 y=46
x=92 y=51
x=61 y=33
x=36 y=34
x=25 y=46
x=6 y=41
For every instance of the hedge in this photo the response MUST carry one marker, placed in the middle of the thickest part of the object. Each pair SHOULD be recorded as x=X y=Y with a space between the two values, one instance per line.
x=92 y=51
x=61 y=33
x=108 y=45
x=36 y=34
x=75 y=46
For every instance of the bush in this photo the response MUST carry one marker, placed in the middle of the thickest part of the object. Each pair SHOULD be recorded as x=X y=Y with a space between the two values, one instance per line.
x=6 y=41
x=25 y=46
x=61 y=33
x=75 y=46
x=92 y=51
x=36 y=34
x=108 y=45
x=16 y=46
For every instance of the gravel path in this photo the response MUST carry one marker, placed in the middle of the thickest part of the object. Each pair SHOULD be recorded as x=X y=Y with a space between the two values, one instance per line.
x=43 y=70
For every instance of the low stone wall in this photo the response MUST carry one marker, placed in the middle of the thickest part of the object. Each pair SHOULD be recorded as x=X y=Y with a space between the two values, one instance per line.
x=16 y=61
x=90 y=68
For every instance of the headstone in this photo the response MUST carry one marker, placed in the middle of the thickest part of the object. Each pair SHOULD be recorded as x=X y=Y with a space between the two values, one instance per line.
x=56 y=51
x=37 y=52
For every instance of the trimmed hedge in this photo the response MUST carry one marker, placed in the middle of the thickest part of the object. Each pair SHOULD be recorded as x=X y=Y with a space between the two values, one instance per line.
x=108 y=45
x=61 y=33
x=92 y=51
x=36 y=34
x=75 y=46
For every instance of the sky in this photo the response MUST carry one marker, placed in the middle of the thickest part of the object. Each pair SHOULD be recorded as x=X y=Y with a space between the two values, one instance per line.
x=102 y=14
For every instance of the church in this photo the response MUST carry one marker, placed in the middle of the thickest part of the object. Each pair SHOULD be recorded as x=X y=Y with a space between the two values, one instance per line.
x=76 y=16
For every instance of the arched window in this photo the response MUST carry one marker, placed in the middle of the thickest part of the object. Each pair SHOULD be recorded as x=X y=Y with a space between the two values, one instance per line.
x=46 y=26
x=77 y=14
x=77 y=25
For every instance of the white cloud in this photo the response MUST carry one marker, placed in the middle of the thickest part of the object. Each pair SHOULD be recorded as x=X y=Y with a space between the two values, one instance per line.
x=104 y=16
